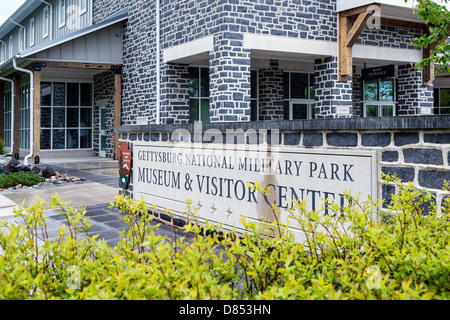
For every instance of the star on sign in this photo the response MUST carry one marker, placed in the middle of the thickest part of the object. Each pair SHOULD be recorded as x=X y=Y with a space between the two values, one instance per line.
x=229 y=212
x=213 y=209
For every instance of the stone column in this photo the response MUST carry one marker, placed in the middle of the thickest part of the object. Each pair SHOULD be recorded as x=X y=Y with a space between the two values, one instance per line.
x=230 y=88
x=271 y=92
x=333 y=98
x=413 y=97
x=175 y=94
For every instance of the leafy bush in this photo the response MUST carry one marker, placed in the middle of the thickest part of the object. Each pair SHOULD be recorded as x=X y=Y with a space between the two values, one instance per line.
x=2 y=147
x=356 y=252
x=23 y=178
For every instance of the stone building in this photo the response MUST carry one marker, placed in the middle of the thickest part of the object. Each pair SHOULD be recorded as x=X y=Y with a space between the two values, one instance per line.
x=220 y=61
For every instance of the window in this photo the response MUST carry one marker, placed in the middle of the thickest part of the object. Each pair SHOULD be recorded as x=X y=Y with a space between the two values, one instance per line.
x=3 y=52
x=11 y=45
x=7 y=120
x=83 y=8
x=441 y=101
x=45 y=22
x=254 y=99
x=380 y=98
x=299 y=93
x=32 y=32
x=24 y=127
x=21 y=39
x=62 y=13
x=66 y=116
x=199 y=94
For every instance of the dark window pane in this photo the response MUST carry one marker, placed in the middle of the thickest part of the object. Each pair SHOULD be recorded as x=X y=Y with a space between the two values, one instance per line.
x=59 y=117
x=46 y=94
x=312 y=88
x=388 y=111
x=85 y=139
x=194 y=82
x=204 y=83
x=436 y=97
x=371 y=111
x=46 y=117
x=194 y=110
x=299 y=86
x=72 y=139
x=445 y=97
x=254 y=106
x=59 y=139
x=46 y=139
x=72 y=117
x=254 y=83
x=86 y=118
x=205 y=111
x=300 y=111
x=59 y=94
x=86 y=95
x=73 y=94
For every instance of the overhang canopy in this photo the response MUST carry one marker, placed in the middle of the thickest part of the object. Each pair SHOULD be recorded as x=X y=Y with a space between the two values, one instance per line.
x=390 y=9
x=99 y=43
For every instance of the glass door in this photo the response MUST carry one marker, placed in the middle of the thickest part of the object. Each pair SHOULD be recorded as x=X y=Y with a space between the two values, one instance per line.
x=300 y=110
x=102 y=147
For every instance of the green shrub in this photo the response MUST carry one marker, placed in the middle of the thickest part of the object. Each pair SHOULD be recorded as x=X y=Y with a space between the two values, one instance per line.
x=23 y=178
x=2 y=147
x=357 y=252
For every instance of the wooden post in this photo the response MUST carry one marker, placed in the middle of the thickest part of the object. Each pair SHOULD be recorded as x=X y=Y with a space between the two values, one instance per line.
x=117 y=108
x=2 y=111
x=351 y=24
x=37 y=115
x=16 y=132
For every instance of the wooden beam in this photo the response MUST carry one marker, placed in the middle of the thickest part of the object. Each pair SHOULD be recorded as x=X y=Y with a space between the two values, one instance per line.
x=37 y=115
x=117 y=110
x=79 y=65
x=351 y=24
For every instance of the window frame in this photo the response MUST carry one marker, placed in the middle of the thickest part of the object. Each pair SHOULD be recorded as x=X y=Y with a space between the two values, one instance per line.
x=7 y=125
x=310 y=102
x=200 y=98
x=3 y=52
x=62 y=13
x=32 y=32
x=45 y=23
x=438 y=107
x=11 y=45
x=379 y=103
x=21 y=39
x=256 y=99
x=66 y=107
x=83 y=10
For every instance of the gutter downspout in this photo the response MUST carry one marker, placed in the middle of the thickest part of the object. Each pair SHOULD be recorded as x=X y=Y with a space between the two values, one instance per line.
x=51 y=18
x=158 y=62
x=31 y=108
x=24 y=32
x=12 y=110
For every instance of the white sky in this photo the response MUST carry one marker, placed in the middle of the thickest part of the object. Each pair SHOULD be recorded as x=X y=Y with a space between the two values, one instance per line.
x=8 y=7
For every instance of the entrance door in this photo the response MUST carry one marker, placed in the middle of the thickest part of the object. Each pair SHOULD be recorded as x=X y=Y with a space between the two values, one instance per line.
x=301 y=110
x=102 y=140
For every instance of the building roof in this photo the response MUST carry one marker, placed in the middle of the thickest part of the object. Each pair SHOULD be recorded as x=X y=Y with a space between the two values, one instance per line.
x=24 y=11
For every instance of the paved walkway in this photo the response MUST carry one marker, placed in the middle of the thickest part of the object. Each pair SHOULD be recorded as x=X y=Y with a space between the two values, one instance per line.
x=100 y=186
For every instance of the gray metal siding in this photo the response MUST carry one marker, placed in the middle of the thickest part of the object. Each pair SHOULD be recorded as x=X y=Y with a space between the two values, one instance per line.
x=74 y=21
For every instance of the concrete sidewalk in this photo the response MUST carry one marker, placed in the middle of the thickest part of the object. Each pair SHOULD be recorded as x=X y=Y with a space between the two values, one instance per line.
x=99 y=188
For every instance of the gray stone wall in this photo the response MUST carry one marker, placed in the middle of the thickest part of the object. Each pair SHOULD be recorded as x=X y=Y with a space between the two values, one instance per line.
x=413 y=97
x=104 y=96
x=271 y=92
x=333 y=98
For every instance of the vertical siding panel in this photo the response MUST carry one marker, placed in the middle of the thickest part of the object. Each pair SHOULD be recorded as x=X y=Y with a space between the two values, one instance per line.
x=80 y=49
x=92 y=46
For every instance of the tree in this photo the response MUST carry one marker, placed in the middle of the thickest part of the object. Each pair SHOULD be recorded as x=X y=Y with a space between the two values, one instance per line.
x=436 y=17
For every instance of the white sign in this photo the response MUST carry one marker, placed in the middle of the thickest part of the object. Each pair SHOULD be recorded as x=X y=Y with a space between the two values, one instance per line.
x=217 y=179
